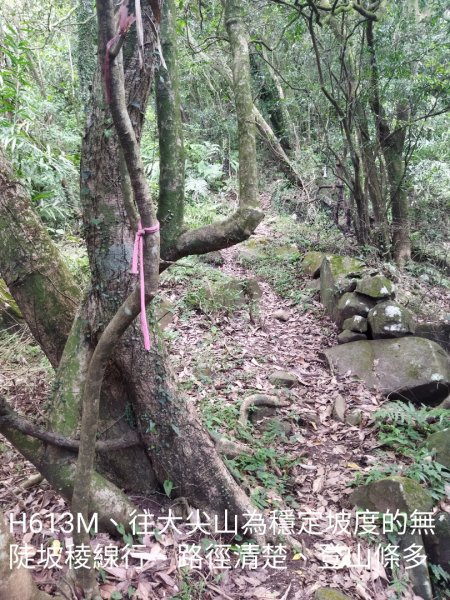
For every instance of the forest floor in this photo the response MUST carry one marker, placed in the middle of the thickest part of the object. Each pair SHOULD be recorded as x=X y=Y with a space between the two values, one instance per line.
x=303 y=460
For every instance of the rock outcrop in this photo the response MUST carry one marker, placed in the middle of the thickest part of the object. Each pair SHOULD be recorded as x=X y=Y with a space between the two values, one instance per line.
x=409 y=368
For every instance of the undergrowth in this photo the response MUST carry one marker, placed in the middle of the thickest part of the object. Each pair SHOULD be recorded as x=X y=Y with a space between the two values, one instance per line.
x=404 y=428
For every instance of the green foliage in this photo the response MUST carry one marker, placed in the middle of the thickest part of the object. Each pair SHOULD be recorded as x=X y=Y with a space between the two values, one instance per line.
x=33 y=130
x=168 y=487
x=440 y=580
x=404 y=428
x=192 y=586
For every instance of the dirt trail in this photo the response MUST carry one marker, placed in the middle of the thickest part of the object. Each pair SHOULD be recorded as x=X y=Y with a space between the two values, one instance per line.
x=219 y=361
x=237 y=353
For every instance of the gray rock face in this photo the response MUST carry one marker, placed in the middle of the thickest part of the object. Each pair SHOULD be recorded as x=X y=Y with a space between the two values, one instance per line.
x=283 y=379
x=377 y=287
x=347 y=336
x=439 y=332
x=339 y=409
x=404 y=495
x=409 y=368
x=336 y=278
x=440 y=442
x=391 y=494
x=352 y=304
x=356 y=323
x=437 y=544
x=390 y=320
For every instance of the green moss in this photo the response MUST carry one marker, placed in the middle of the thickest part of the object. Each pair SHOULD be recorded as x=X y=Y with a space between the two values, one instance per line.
x=67 y=392
x=343 y=266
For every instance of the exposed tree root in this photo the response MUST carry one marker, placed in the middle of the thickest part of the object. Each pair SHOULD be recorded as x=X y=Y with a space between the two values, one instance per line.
x=229 y=448
x=259 y=400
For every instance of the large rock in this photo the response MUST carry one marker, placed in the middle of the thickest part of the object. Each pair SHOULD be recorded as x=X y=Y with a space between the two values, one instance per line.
x=404 y=495
x=261 y=247
x=283 y=379
x=377 y=287
x=346 y=336
x=311 y=263
x=440 y=443
x=438 y=331
x=337 y=277
x=409 y=368
x=437 y=543
x=390 y=320
x=352 y=304
x=391 y=494
x=356 y=323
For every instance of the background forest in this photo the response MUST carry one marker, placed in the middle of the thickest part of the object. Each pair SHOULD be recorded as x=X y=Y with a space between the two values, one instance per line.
x=347 y=105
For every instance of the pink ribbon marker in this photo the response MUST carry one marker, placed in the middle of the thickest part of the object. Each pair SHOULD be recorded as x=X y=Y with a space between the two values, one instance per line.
x=138 y=254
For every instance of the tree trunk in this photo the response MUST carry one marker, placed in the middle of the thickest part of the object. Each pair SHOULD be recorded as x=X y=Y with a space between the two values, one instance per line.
x=32 y=269
x=272 y=97
x=178 y=447
x=401 y=240
x=171 y=169
x=392 y=144
x=240 y=66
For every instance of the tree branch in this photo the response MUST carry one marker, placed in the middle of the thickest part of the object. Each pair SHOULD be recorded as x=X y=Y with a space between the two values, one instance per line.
x=11 y=418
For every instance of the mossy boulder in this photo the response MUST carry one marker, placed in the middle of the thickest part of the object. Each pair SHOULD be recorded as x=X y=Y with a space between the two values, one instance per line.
x=408 y=368
x=391 y=494
x=311 y=263
x=226 y=294
x=261 y=247
x=440 y=443
x=346 y=336
x=324 y=593
x=377 y=287
x=352 y=304
x=390 y=320
x=437 y=543
x=337 y=276
x=254 y=248
x=356 y=323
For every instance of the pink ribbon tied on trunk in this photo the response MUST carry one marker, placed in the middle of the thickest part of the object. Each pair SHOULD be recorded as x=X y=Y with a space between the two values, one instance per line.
x=138 y=256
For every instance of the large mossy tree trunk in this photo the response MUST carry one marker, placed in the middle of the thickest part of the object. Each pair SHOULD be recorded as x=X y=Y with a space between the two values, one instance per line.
x=138 y=387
